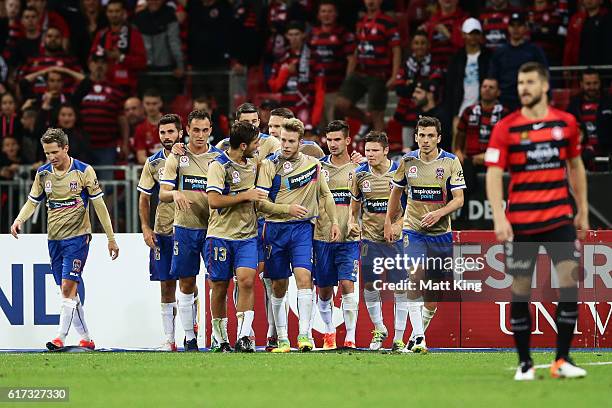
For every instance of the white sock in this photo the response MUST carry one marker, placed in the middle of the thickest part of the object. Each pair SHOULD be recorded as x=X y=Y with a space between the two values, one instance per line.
x=79 y=321
x=280 y=316
x=168 y=311
x=427 y=316
x=269 y=314
x=245 y=323
x=185 y=308
x=67 y=312
x=325 y=310
x=219 y=329
x=401 y=315
x=313 y=313
x=350 y=307
x=304 y=300
x=373 y=303
x=416 y=319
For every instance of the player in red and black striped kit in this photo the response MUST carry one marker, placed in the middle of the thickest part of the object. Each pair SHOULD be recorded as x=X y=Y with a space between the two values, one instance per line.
x=541 y=148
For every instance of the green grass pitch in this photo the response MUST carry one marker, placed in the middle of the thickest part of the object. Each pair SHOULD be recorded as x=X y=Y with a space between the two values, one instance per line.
x=315 y=380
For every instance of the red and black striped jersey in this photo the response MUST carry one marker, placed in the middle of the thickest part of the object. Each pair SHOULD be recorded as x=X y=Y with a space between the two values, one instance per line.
x=495 y=26
x=34 y=64
x=535 y=151
x=376 y=37
x=330 y=50
x=102 y=104
x=477 y=122
x=544 y=28
x=442 y=47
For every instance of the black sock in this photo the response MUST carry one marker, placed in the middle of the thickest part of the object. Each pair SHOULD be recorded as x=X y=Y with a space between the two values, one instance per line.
x=520 y=323
x=567 y=314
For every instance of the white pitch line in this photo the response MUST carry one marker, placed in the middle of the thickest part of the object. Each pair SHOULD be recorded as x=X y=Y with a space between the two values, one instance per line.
x=596 y=363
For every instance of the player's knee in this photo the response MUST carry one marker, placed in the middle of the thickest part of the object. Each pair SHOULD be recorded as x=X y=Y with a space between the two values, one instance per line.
x=326 y=293
x=245 y=283
x=521 y=285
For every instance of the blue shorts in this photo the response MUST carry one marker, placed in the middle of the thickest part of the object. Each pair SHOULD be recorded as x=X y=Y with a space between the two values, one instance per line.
x=435 y=250
x=334 y=261
x=186 y=252
x=287 y=243
x=260 y=245
x=224 y=256
x=68 y=257
x=160 y=259
x=373 y=255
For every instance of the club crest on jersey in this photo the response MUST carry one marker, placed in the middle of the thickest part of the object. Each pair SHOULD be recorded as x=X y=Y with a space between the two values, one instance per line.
x=73 y=186
x=325 y=174
x=288 y=167
x=412 y=172
x=76 y=265
x=366 y=188
x=557 y=133
x=184 y=161
x=48 y=186
x=235 y=177
x=97 y=88
x=439 y=173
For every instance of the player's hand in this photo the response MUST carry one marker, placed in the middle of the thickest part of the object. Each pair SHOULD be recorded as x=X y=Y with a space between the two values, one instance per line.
x=335 y=233
x=388 y=232
x=390 y=83
x=356 y=157
x=16 y=229
x=181 y=202
x=354 y=230
x=503 y=229
x=178 y=149
x=441 y=28
x=149 y=237
x=430 y=219
x=254 y=195
x=581 y=222
x=297 y=211
x=113 y=250
x=396 y=230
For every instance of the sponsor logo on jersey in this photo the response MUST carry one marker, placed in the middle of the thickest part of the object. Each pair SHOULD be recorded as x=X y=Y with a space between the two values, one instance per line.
x=194 y=183
x=58 y=204
x=543 y=153
x=341 y=197
x=376 y=205
x=431 y=194
x=303 y=178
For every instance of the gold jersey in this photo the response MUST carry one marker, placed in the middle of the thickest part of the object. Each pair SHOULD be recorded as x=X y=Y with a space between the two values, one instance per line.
x=226 y=177
x=152 y=172
x=311 y=148
x=339 y=179
x=68 y=198
x=267 y=146
x=428 y=184
x=373 y=192
x=295 y=181
x=188 y=173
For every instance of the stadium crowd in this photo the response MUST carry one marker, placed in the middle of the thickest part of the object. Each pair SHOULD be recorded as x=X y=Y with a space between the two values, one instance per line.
x=89 y=68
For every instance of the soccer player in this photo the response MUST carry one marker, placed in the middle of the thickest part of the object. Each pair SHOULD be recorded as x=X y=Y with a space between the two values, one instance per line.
x=540 y=146
x=184 y=183
x=430 y=174
x=288 y=178
x=159 y=239
x=337 y=261
x=370 y=189
x=275 y=124
x=231 y=242
x=69 y=185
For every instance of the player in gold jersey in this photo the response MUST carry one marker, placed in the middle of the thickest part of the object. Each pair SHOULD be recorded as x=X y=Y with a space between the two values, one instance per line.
x=430 y=174
x=337 y=262
x=159 y=239
x=370 y=192
x=295 y=187
x=69 y=186
x=184 y=183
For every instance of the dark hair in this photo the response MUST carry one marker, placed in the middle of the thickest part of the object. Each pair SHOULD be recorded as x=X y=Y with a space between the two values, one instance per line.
x=427 y=121
x=171 y=118
x=338 y=126
x=198 y=114
x=420 y=33
x=282 y=112
x=242 y=132
x=588 y=71
x=246 y=107
x=48 y=74
x=295 y=25
x=55 y=135
x=377 y=137
x=294 y=125
x=151 y=93
x=68 y=105
x=122 y=2
x=489 y=78
x=535 y=67
x=328 y=3
x=32 y=9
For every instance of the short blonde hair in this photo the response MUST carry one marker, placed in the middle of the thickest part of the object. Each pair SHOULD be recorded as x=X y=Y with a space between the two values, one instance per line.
x=294 y=125
x=55 y=135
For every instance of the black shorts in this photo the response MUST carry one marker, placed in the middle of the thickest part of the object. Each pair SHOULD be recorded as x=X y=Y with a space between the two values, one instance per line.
x=522 y=253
